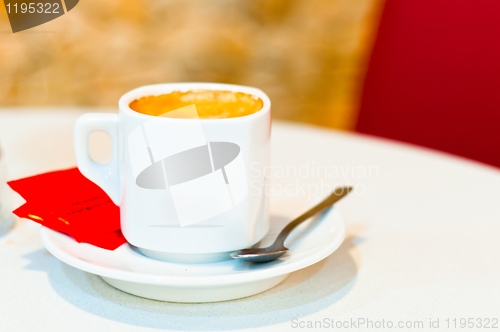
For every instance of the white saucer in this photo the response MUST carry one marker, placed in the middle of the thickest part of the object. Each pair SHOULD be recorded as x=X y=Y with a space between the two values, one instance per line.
x=136 y=274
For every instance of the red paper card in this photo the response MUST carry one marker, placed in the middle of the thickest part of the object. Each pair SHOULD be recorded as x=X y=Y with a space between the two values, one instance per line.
x=68 y=202
x=43 y=217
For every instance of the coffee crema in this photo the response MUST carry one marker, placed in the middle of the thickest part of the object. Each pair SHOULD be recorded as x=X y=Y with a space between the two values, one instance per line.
x=210 y=104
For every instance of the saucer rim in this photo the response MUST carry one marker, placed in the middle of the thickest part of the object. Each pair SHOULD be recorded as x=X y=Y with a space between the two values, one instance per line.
x=200 y=281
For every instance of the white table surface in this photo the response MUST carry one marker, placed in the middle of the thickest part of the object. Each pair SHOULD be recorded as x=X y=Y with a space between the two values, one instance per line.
x=423 y=242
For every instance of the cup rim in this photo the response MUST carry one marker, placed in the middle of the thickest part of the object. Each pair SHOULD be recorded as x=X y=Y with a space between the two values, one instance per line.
x=163 y=88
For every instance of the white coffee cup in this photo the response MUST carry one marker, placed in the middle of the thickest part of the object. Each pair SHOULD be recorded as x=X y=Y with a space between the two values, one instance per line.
x=189 y=190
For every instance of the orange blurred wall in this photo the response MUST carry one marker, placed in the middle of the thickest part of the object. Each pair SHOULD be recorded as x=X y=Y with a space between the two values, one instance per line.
x=308 y=55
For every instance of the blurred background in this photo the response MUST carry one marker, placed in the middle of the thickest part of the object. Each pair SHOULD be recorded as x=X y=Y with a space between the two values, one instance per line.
x=424 y=72
x=309 y=56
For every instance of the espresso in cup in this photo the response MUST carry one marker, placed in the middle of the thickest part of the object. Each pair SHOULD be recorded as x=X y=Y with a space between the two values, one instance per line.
x=188 y=191
x=210 y=104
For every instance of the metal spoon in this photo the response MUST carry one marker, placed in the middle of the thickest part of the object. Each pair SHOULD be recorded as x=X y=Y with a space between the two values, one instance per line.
x=277 y=249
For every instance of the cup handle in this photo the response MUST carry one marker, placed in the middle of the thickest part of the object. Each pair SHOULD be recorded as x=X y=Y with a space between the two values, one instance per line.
x=105 y=176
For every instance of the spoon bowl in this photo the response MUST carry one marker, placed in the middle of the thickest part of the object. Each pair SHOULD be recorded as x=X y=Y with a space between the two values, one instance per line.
x=258 y=255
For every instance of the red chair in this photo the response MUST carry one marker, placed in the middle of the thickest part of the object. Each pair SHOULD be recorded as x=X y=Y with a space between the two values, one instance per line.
x=434 y=77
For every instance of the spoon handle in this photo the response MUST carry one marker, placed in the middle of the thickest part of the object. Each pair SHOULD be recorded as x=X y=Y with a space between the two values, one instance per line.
x=327 y=202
